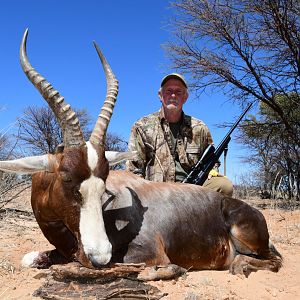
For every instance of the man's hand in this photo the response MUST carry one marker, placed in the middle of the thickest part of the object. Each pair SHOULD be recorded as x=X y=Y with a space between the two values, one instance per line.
x=214 y=173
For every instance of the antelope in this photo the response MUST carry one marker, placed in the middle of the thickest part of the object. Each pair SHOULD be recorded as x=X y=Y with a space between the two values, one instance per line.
x=99 y=217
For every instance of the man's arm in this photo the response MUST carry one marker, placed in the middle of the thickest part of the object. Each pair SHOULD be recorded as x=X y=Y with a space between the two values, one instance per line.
x=136 y=144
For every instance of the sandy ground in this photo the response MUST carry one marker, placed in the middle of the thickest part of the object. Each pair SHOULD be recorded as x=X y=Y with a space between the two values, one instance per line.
x=20 y=234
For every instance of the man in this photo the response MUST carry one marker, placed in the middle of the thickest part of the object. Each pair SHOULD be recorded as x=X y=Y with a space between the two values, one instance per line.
x=169 y=143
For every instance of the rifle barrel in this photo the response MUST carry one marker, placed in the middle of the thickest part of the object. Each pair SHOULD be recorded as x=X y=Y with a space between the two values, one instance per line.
x=236 y=123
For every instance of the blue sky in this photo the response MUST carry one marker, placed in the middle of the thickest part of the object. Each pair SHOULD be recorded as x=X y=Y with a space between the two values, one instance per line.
x=130 y=34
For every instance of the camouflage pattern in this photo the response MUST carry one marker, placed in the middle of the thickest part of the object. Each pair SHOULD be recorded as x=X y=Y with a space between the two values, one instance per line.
x=150 y=136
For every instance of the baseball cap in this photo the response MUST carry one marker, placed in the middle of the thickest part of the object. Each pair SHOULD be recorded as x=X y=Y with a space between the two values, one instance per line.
x=173 y=75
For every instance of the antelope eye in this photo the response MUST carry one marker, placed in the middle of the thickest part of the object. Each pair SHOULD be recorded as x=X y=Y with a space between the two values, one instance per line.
x=65 y=177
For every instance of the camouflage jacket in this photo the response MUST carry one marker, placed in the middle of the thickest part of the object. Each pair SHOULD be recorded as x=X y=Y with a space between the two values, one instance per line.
x=150 y=136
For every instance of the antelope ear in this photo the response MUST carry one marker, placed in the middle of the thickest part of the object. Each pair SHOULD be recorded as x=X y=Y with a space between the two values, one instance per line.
x=115 y=157
x=29 y=165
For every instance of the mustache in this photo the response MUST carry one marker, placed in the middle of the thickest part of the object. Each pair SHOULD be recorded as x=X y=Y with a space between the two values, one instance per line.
x=173 y=101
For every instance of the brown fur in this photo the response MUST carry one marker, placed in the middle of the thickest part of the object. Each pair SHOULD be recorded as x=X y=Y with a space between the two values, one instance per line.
x=182 y=224
x=56 y=201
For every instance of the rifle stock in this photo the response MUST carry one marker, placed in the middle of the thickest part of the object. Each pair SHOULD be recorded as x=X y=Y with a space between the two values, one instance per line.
x=210 y=156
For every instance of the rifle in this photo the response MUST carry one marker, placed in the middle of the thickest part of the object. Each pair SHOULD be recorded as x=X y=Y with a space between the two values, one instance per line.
x=210 y=156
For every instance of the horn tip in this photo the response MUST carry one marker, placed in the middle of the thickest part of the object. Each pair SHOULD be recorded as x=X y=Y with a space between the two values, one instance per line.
x=96 y=45
x=26 y=32
x=24 y=37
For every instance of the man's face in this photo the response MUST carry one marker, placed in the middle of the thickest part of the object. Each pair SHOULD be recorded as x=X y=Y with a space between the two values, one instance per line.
x=173 y=95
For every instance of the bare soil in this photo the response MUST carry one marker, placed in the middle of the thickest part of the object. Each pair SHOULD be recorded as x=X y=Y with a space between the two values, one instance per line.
x=20 y=234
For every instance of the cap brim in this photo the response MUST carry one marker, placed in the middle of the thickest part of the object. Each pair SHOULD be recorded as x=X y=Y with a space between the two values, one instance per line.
x=174 y=76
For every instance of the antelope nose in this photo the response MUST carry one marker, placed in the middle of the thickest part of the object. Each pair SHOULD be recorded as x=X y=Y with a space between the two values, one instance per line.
x=100 y=256
x=99 y=262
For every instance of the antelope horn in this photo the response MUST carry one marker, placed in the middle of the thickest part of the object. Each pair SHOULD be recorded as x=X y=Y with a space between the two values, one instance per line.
x=99 y=132
x=65 y=116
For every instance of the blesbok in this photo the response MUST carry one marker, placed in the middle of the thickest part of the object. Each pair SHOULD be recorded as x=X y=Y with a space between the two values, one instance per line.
x=99 y=217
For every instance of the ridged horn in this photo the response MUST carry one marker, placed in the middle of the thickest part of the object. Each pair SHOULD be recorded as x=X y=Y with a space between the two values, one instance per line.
x=68 y=121
x=99 y=132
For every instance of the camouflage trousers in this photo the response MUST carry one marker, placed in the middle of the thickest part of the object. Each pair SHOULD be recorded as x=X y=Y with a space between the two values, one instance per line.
x=220 y=184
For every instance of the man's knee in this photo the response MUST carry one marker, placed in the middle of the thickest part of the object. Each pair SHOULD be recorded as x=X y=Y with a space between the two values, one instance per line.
x=220 y=184
x=226 y=187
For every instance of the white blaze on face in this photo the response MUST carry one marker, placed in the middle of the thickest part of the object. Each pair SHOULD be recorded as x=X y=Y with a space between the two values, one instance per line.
x=95 y=242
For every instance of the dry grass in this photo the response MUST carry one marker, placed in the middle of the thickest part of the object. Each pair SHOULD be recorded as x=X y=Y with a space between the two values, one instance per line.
x=6 y=267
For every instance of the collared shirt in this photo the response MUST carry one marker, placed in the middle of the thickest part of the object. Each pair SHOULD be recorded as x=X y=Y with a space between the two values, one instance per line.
x=152 y=139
